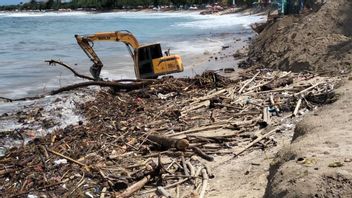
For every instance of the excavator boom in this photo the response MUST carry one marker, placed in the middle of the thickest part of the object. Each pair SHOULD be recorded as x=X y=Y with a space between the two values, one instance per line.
x=86 y=43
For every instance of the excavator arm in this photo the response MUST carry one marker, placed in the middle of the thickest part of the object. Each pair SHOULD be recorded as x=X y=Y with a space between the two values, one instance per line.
x=87 y=42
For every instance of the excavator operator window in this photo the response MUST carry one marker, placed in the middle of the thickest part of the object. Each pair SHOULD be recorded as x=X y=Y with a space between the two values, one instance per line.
x=155 y=51
x=145 y=56
x=144 y=61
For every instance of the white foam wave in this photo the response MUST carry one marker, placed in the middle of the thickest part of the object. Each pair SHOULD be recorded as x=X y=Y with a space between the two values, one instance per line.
x=198 y=47
x=213 y=21
x=147 y=15
x=42 y=14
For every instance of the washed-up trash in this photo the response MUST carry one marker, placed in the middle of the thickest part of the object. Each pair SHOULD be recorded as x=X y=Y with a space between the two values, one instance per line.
x=306 y=161
x=166 y=96
x=89 y=194
x=60 y=161
x=2 y=151
x=335 y=164
x=32 y=196
x=225 y=47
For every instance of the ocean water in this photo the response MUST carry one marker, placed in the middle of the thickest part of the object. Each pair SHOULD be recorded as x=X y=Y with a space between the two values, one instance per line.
x=27 y=39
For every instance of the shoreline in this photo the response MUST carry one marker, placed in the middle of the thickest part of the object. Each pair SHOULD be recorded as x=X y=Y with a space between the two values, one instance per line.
x=189 y=47
x=216 y=60
x=237 y=10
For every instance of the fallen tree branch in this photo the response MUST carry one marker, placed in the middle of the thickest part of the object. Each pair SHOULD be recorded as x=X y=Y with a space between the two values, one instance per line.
x=201 y=154
x=54 y=62
x=256 y=141
x=166 y=187
x=135 y=84
x=68 y=158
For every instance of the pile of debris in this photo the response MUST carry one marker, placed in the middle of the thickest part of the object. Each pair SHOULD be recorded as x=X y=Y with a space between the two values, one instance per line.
x=158 y=138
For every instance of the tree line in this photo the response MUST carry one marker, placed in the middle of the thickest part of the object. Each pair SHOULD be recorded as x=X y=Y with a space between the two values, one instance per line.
x=116 y=4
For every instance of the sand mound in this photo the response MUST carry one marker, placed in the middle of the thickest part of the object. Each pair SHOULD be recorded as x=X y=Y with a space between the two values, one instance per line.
x=317 y=41
x=318 y=161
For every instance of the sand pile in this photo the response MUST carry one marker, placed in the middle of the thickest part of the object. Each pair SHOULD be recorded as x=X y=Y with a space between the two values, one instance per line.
x=316 y=41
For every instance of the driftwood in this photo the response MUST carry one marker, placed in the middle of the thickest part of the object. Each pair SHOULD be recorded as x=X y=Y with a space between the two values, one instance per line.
x=266 y=115
x=198 y=129
x=248 y=82
x=165 y=143
x=258 y=139
x=124 y=84
x=112 y=84
x=201 y=154
x=301 y=93
x=7 y=171
x=205 y=183
x=295 y=112
x=114 y=123
x=68 y=158
x=163 y=192
x=54 y=62
x=116 y=85
x=277 y=83
x=166 y=187
x=209 y=172
x=134 y=188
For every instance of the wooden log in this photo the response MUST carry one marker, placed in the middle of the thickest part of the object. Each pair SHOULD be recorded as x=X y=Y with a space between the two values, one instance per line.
x=205 y=183
x=166 y=187
x=268 y=82
x=184 y=166
x=198 y=129
x=166 y=143
x=200 y=105
x=277 y=83
x=112 y=84
x=191 y=168
x=134 y=188
x=6 y=171
x=207 y=97
x=163 y=192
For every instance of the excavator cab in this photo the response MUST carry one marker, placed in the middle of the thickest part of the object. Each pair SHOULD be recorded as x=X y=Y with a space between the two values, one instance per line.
x=151 y=62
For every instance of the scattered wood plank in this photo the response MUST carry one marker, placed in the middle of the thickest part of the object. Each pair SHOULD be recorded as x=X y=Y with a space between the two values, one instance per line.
x=266 y=115
x=248 y=82
x=299 y=102
x=258 y=139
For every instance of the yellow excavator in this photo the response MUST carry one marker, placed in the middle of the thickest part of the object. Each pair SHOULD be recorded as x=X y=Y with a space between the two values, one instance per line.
x=149 y=61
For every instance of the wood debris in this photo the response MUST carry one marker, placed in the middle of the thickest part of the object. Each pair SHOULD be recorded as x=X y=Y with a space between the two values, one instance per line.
x=158 y=138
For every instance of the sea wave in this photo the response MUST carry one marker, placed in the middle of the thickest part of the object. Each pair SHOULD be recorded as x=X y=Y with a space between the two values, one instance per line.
x=214 y=21
x=42 y=14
